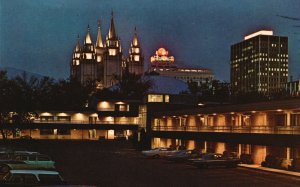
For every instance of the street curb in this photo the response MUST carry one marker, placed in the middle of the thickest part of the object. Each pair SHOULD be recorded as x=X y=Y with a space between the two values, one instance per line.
x=272 y=170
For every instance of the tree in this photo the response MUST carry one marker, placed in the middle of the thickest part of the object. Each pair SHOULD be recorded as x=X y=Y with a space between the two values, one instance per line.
x=220 y=91
x=248 y=97
x=5 y=102
x=21 y=96
x=44 y=94
x=214 y=91
x=70 y=95
x=193 y=87
x=134 y=86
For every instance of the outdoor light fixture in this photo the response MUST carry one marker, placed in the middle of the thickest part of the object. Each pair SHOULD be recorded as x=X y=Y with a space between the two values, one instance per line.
x=46 y=114
x=62 y=114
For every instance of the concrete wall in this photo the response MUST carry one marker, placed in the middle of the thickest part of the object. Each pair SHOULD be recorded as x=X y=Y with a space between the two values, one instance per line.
x=190 y=144
x=170 y=122
x=219 y=120
x=191 y=121
x=259 y=153
x=259 y=119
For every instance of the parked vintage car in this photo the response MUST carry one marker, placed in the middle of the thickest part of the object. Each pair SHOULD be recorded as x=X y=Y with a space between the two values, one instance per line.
x=11 y=154
x=277 y=162
x=25 y=137
x=215 y=160
x=27 y=160
x=31 y=178
x=295 y=165
x=158 y=152
x=182 y=155
x=246 y=159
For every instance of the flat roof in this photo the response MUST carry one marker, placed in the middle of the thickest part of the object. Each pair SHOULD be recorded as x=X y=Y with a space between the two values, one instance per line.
x=261 y=32
x=289 y=104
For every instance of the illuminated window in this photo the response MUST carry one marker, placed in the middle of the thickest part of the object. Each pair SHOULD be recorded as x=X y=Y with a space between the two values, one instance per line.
x=155 y=98
x=88 y=55
x=98 y=58
x=46 y=118
x=136 y=50
x=46 y=132
x=123 y=107
x=136 y=58
x=105 y=106
x=167 y=98
x=112 y=52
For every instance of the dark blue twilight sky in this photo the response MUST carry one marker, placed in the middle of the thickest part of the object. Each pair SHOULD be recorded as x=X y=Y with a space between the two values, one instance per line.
x=39 y=35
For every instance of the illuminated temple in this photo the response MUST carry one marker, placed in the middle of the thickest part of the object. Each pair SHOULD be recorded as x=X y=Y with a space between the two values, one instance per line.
x=165 y=65
x=103 y=60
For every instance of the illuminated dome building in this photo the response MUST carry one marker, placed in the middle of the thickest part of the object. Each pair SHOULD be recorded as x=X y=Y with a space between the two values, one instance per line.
x=162 y=60
x=164 y=64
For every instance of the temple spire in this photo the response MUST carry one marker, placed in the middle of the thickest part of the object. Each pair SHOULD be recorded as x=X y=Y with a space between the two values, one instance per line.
x=135 y=40
x=77 y=48
x=99 y=42
x=112 y=30
x=88 y=39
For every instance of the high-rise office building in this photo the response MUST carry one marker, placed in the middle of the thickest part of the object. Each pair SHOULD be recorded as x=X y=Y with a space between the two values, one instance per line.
x=259 y=63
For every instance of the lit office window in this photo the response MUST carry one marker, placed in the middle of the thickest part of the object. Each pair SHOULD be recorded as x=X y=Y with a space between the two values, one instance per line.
x=155 y=98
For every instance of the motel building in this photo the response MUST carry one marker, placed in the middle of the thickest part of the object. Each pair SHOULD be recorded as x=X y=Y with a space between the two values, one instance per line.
x=108 y=118
x=172 y=119
x=113 y=119
x=255 y=130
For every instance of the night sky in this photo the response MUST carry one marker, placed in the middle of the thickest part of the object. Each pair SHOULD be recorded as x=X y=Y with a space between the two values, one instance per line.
x=40 y=35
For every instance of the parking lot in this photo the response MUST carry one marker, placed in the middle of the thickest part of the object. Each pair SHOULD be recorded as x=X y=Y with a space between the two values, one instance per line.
x=117 y=163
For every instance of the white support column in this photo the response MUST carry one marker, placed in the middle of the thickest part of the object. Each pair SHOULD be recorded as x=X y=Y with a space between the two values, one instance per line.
x=239 y=150
x=239 y=120
x=265 y=123
x=288 y=118
x=205 y=120
x=288 y=153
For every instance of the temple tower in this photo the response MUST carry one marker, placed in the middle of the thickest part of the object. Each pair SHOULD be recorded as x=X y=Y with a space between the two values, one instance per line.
x=135 y=61
x=113 y=56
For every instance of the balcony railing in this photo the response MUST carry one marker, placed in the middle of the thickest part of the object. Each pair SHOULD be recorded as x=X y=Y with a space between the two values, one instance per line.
x=84 y=122
x=230 y=129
